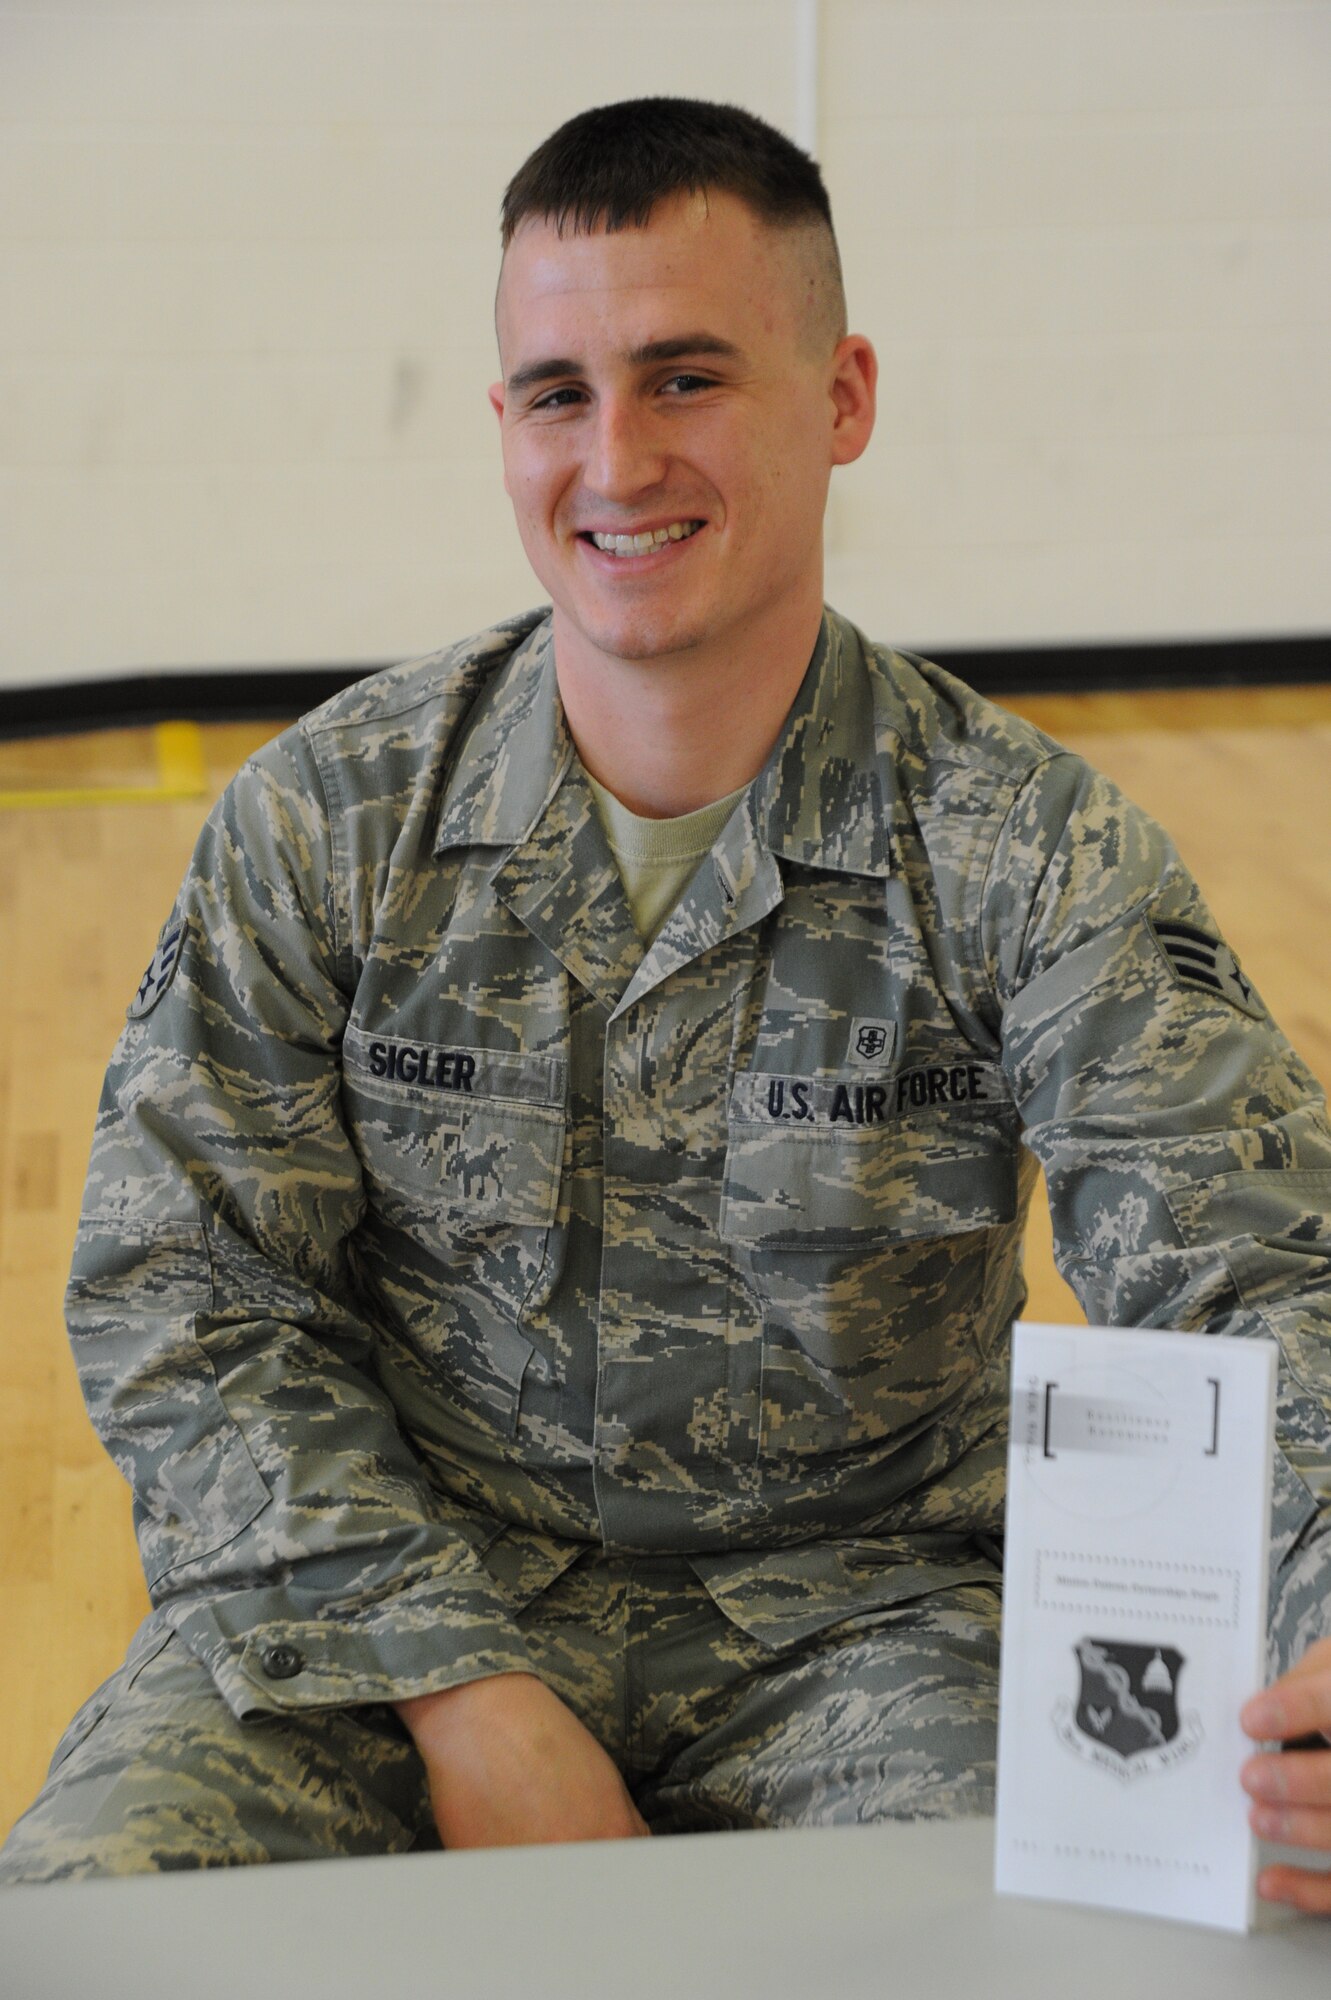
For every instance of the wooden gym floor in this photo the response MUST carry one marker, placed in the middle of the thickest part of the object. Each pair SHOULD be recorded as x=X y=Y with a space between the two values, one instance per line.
x=94 y=834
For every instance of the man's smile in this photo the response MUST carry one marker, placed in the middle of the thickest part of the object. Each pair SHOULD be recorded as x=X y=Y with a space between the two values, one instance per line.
x=640 y=542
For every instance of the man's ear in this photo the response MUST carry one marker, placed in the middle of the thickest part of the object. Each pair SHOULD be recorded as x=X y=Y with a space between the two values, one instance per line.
x=496 y=394
x=854 y=392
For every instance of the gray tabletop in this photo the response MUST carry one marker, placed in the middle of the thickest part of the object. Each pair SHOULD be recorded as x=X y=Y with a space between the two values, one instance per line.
x=901 y=1910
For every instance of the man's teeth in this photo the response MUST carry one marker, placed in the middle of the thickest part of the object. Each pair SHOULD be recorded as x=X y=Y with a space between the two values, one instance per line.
x=654 y=538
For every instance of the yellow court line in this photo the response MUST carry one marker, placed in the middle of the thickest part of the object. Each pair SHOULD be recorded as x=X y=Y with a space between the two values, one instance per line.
x=181 y=774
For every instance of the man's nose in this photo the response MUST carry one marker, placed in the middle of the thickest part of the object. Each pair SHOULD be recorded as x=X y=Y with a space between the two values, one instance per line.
x=627 y=453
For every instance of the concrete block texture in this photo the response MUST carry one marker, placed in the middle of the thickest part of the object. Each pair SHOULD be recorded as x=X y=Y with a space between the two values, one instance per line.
x=247 y=261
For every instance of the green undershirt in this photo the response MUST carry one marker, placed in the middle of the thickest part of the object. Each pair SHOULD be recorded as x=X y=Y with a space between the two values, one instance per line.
x=657 y=857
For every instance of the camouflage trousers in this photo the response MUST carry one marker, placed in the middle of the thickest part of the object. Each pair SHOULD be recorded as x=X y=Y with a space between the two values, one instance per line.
x=889 y=1714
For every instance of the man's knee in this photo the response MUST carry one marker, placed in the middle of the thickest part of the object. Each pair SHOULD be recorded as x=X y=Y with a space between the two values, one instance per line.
x=156 y=1773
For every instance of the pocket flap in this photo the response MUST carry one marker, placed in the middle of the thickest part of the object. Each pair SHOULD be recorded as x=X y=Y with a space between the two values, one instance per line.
x=783 y=1596
x=478 y=1131
x=824 y=1162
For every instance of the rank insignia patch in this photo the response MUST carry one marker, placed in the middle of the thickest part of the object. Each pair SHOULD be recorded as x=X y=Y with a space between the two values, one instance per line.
x=1206 y=964
x=162 y=969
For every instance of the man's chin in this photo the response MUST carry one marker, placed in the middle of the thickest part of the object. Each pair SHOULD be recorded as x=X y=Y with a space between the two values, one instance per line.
x=636 y=640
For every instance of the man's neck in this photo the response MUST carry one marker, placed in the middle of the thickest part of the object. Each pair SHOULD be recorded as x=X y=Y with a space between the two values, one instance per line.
x=669 y=736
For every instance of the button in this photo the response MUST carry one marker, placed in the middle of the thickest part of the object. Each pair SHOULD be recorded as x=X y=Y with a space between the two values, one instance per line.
x=281 y=1662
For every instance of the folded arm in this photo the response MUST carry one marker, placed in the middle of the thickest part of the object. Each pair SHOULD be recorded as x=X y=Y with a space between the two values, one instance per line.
x=285 y=1523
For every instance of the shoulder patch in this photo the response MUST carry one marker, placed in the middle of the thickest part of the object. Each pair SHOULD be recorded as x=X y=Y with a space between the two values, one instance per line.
x=1204 y=962
x=161 y=968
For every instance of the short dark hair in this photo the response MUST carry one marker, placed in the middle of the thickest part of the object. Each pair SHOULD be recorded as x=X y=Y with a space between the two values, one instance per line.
x=609 y=167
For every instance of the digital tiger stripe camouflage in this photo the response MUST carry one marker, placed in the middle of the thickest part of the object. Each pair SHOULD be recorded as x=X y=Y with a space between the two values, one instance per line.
x=436 y=1232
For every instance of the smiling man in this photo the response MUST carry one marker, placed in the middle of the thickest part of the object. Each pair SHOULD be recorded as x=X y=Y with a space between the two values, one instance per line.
x=676 y=394
x=556 y=1210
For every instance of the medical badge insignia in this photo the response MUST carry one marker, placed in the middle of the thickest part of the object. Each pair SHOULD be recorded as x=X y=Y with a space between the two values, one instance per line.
x=871 y=1040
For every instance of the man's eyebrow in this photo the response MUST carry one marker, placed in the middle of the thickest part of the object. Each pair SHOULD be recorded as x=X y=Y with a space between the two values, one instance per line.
x=540 y=371
x=679 y=347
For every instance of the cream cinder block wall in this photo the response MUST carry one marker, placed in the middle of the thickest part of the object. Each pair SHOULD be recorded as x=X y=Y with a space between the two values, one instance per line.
x=1093 y=242
x=247 y=257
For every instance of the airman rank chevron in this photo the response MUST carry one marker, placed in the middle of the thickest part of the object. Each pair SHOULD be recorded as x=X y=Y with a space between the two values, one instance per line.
x=161 y=970
x=1205 y=963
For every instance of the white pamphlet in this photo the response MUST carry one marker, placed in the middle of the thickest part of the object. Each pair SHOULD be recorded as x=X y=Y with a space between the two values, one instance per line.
x=1134 y=1618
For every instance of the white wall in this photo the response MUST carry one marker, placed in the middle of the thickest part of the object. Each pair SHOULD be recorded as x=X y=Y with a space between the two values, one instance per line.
x=1093 y=243
x=247 y=254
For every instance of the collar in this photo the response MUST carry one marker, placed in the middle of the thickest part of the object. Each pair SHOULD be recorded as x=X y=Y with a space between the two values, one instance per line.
x=512 y=755
x=819 y=801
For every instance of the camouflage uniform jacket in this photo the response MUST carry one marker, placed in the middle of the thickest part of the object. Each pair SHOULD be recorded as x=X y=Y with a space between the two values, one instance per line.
x=435 y=1231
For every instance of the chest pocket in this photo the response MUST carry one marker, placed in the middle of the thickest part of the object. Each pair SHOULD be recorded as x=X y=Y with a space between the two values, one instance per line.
x=866 y=1244
x=462 y=1150
x=466 y=1130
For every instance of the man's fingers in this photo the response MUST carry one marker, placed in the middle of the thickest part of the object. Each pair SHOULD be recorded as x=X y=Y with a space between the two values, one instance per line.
x=1293 y=1826
x=1299 y=1704
x=1298 y=1887
x=1289 y=1778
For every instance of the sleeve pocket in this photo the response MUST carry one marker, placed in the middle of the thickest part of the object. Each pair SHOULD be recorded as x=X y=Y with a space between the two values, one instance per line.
x=85 y=1721
x=1273 y=1228
x=1292 y=1508
x=134 y=1302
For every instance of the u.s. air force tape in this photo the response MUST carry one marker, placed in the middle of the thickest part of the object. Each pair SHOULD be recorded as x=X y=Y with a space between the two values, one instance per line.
x=842 y=1102
x=1203 y=962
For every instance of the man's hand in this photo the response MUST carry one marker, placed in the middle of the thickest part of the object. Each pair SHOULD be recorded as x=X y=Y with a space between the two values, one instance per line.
x=1291 y=1789
x=510 y=1764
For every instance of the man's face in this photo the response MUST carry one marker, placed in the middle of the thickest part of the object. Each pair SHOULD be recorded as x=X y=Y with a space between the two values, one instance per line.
x=679 y=386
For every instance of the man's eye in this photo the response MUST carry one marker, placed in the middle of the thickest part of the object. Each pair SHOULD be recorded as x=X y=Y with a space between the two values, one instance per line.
x=557 y=399
x=687 y=385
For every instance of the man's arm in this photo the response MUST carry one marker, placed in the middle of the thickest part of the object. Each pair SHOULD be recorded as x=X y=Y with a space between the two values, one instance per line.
x=1188 y=1160
x=285 y=1523
x=510 y=1764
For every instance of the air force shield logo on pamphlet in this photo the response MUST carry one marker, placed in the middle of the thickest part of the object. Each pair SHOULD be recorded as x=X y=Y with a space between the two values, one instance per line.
x=1126 y=1716
x=161 y=970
